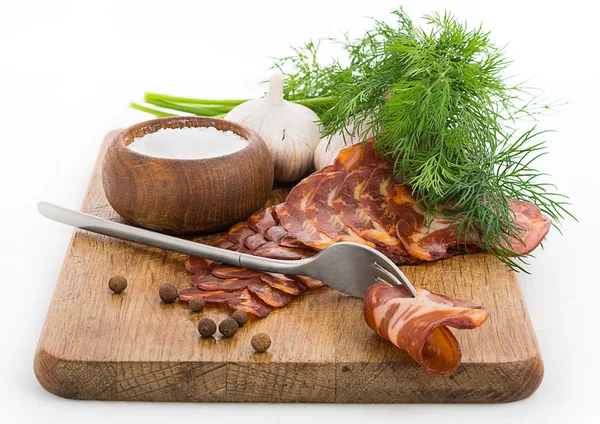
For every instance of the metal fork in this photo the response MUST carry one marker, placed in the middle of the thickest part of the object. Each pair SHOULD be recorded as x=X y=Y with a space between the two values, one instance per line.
x=347 y=267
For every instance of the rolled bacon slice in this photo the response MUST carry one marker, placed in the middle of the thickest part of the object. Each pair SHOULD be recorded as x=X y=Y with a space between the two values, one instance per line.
x=419 y=325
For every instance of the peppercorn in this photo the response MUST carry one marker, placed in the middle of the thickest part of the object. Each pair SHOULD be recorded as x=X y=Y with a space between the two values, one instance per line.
x=241 y=317
x=197 y=304
x=228 y=327
x=117 y=284
x=260 y=342
x=168 y=293
x=207 y=327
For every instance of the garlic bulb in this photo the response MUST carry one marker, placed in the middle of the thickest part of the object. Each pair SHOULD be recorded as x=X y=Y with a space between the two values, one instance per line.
x=290 y=130
x=329 y=147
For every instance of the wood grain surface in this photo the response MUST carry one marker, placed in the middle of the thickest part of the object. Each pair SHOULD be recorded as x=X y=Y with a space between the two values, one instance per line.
x=98 y=345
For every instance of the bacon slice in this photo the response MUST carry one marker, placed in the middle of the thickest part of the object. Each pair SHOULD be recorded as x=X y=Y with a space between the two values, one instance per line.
x=293 y=216
x=419 y=325
x=319 y=209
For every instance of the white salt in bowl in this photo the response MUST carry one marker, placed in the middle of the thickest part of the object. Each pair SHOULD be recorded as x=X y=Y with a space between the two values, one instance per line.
x=187 y=192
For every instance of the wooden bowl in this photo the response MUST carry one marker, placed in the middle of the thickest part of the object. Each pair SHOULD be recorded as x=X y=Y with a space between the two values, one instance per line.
x=187 y=196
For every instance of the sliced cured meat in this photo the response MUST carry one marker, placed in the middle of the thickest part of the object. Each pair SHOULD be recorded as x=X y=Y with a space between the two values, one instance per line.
x=238 y=233
x=348 y=207
x=283 y=283
x=210 y=282
x=374 y=195
x=319 y=210
x=197 y=265
x=293 y=217
x=209 y=296
x=275 y=251
x=532 y=225
x=291 y=241
x=228 y=271
x=262 y=220
x=240 y=299
x=356 y=200
x=362 y=154
x=254 y=241
x=275 y=233
x=222 y=243
x=251 y=304
x=437 y=239
x=419 y=325
x=269 y=295
x=428 y=241
x=311 y=283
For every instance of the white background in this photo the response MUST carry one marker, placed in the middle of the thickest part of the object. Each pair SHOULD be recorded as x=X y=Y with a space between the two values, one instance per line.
x=69 y=69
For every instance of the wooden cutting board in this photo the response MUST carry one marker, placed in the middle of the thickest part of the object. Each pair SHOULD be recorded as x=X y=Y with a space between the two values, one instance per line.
x=98 y=345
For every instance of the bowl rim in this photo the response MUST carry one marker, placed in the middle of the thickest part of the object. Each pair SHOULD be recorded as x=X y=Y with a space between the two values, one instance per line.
x=250 y=137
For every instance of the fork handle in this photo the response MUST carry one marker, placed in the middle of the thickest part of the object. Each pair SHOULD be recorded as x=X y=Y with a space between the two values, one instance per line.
x=105 y=227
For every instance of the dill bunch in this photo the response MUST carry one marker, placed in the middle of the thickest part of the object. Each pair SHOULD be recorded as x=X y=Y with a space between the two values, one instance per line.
x=443 y=112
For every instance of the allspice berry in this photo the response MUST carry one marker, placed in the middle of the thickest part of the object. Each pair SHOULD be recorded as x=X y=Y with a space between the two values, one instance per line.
x=260 y=342
x=228 y=327
x=117 y=284
x=197 y=304
x=207 y=327
x=168 y=293
x=241 y=317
